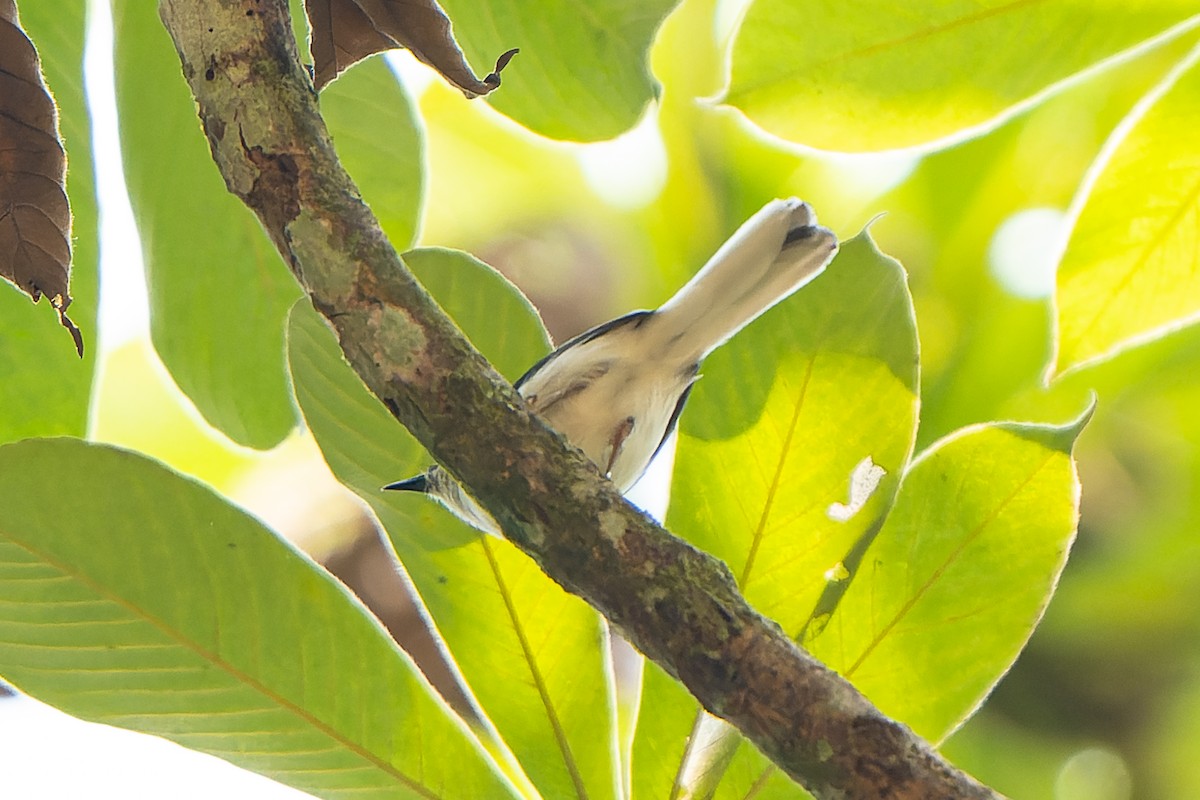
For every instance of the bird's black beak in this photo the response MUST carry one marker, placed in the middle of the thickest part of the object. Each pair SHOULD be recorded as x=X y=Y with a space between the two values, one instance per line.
x=416 y=484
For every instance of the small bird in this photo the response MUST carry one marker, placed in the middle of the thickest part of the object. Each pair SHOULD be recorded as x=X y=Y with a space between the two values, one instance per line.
x=616 y=391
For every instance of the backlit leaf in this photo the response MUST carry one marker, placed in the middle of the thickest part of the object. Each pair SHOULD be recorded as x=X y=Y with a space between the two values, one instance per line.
x=1131 y=269
x=821 y=389
x=219 y=293
x=141 y=599
x=379 y=142
x=951 y=588
x=582 y=73
x=861 y=75
x=954 y=584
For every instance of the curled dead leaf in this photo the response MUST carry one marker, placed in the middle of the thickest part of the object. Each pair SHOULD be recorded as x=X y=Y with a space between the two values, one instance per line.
x=35 y=216
x=493 y=77
x=347 y=31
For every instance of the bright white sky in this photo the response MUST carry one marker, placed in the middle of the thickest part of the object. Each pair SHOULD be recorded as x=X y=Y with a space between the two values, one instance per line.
x=124 y=310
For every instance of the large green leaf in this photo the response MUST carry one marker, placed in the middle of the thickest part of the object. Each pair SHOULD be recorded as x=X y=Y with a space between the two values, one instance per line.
x=216 y=283
x=215 y=280
x=582 y=73
x=45 y=387
x=535 y=658
x=379 y=141
x=132 y=596
x=786 y=414
x=859 y=75
x=958 y=577
x=953 y=585
x=1131 y=270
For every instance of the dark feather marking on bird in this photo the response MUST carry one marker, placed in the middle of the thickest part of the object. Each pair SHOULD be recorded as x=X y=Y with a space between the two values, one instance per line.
x=618 y=441
x=672 y=422
x=594 y=374
x=676 y=337
x=635 y=317
x=800 y=234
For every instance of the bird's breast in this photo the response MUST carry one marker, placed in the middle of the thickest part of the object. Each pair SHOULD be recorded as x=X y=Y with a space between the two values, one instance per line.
x=618 y=417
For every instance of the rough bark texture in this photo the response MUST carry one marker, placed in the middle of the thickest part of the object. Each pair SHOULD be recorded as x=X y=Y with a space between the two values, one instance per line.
x=677 y=605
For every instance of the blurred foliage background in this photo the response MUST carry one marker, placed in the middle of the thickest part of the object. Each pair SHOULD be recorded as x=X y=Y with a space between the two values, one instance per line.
x=1105 y=701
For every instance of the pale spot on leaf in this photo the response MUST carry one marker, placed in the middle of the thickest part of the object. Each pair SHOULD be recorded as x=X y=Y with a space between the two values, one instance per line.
x=864 y=480
x=837 y=572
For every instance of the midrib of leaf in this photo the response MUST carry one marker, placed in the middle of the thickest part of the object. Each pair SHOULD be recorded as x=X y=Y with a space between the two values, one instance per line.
x=761 y=781
x=560 y=736
x=677 y=786
x=1187 y=206
x=933 y=579
x=803 y=71
x=623 y=45
x=228 y=668
x=760 y=530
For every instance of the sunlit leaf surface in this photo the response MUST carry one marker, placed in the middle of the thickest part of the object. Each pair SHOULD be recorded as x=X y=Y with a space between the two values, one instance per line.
x=951 y=588
x=1131 y=269
x=379 y=141
x=785 y=414
x=141 y=599
x=582 y=73
x=219 y=293
x=953 y=585
x=872 y=75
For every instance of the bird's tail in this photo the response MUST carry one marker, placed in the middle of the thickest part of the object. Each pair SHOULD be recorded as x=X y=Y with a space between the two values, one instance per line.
x=771 y=255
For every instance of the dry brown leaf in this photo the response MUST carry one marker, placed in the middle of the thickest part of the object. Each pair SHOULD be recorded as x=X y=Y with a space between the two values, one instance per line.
x=342 y=34
x=35 y=217
x=347 y=31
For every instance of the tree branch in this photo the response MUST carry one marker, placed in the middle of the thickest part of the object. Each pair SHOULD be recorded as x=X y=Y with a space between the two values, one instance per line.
x=677 y=605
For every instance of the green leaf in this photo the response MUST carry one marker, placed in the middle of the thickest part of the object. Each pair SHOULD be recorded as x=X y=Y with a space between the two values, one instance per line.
x=785 y=414
x=132 y=596
x=664 y=724
x=45 y=387
x=219 y=292
x=379 y=142
x=960 y=574
x=1131 y=269
x=860 y=75
x=953 y=585
x=582 y=73
x=535 y=658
